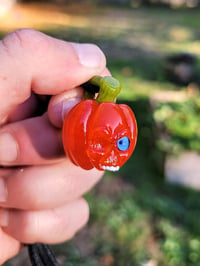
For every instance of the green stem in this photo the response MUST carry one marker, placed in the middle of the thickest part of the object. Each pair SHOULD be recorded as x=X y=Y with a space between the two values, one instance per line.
x=109 y=88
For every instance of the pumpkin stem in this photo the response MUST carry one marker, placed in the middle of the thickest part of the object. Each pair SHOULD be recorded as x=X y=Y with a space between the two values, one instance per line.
x=109 y=88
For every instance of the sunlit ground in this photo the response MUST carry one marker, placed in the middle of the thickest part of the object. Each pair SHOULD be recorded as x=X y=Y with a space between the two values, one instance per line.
x=136 y=216
x=40 y=16
x=147 y=28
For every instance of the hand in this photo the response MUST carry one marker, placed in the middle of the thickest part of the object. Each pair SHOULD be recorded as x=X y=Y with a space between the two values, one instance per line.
x=40 y=189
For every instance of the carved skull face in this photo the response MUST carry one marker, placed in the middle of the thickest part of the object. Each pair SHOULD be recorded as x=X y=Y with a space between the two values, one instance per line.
x=111 y=136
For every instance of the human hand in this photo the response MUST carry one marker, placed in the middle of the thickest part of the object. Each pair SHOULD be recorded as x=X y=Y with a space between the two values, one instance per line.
x=40 y=189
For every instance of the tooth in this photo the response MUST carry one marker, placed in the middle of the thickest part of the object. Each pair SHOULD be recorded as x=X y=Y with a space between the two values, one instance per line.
x=110 y=168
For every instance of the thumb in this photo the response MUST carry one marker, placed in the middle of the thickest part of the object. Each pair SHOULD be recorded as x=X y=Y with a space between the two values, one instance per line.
x=33 y=61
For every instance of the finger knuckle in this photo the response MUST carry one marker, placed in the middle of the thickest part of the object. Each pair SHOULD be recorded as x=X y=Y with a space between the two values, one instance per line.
x=14 y=41
x=22 y=39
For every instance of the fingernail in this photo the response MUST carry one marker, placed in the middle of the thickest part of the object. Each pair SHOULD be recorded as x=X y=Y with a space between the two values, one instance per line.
x=4 y=217
x=67 y=106
x=8 y=148
x=3 y=191
x=89 y=55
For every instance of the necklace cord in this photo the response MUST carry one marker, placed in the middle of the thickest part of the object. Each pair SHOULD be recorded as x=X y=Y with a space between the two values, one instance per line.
x=41 y=255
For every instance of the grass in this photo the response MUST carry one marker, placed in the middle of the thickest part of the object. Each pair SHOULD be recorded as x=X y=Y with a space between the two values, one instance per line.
x=136 y=217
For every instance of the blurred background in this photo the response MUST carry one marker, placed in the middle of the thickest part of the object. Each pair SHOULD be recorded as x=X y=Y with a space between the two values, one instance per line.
x=147 y=213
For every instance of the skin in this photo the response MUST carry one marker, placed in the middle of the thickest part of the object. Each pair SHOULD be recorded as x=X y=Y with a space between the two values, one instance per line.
x=41 y=196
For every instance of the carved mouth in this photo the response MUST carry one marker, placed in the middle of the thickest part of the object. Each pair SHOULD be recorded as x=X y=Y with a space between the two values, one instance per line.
x=110 y=168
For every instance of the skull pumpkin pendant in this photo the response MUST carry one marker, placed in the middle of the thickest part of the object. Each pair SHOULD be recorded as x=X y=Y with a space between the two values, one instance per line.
x=101 y=135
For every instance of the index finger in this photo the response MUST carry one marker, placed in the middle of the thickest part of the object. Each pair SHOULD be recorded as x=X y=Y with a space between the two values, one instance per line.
x=31 y=60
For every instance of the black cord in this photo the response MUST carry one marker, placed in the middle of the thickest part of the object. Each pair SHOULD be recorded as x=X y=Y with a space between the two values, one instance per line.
x=41 y=255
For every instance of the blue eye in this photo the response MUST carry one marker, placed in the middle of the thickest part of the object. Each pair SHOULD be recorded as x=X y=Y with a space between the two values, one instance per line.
x=123 y=144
